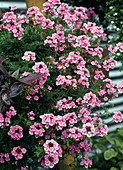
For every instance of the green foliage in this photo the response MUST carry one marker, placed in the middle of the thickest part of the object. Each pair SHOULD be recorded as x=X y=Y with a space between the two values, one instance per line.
x=110 y=14
x=111 y=147
x=114 y=16
x=110 y=153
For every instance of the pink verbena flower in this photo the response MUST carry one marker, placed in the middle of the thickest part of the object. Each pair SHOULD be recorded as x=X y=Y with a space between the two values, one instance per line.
x=88 y=129
x=95 y=63
x=31 y=115
x=90 y=13
x=51 y=159
x=33 y=10
x=36 y=129
x=51 y=146
x=22 y=168
x=71 y=118
x=16 y=132
x=13 y=8
x=4 y=157
x=91 y=99
x=1 y=120
x=60 y=122
x=110 y=63
x=82 y=42
x=28 y=55
x=86 y=162
x=120 y=87
x=118 y=116
x=76 y=133
x=102 y=130
x=38 y=18
x=48 y=120
x=99 y=75
x=18 y=152
x=74 y=148
x=54 y=2
x=8 y=115
x=40 y=67
x=93 y=29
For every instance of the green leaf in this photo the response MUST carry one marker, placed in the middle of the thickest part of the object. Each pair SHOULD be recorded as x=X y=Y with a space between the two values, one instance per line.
x=120 y=131
x=120 y=163
x=121 y=150
x=120 y=157
x=100 y=147
x=118 y=140
x=110 y=153
x=113 y=168
x=110 y=139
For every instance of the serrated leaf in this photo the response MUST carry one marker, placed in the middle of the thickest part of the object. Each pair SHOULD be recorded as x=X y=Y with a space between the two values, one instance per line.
x=110 y=153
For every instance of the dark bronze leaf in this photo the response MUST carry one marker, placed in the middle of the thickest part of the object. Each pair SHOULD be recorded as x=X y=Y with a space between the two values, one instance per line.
x=2 y=79
x=25 y=80
x=16 y=73
x=5 y=72
x=15 y=90
x=5 y=97
x=28 y=79
x=1 y=60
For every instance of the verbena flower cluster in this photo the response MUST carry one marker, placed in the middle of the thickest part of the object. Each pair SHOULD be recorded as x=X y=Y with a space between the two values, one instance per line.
x=60 y=112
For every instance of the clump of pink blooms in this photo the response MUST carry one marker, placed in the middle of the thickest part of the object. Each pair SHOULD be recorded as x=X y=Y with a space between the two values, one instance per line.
x=5 y=119
x=40 y=67
x=16 y=132
x=31 y=115
x=110 y=63
x=13 y=23
x=90 y=13
x=72 y=120
x=86 y=162
x=53 y=151
x=18 y=152
x=119 y=47
x=118 y=117
x=91 y=99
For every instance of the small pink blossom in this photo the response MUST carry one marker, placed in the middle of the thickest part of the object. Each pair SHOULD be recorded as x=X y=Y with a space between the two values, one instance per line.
x=120 y=87
x=13 y=8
